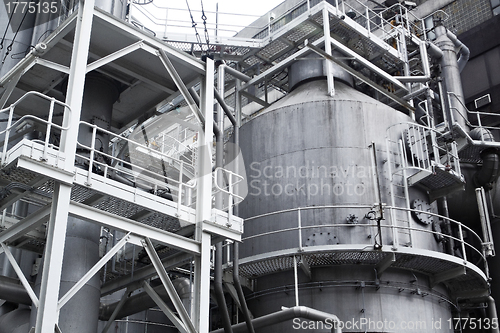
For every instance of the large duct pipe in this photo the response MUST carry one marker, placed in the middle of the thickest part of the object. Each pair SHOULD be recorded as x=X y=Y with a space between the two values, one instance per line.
x=463 y=51
x=288 y=314
x=236 y=247
x=491 y=161
x=16 y=321
x=492 y=313
x=451 y=74
x=142 y=301
x=12 y=291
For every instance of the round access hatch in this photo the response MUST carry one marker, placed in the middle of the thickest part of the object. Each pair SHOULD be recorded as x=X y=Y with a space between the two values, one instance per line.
x=422 y=206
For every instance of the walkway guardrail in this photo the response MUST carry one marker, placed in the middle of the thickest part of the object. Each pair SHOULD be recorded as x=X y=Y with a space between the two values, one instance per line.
x=49 y=123
x=127 y=172
x=470 y=247
x=477 y=114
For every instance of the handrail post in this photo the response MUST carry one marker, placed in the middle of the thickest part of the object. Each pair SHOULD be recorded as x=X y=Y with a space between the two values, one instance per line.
x=91 y=156
x=7 y=133
x=49 y=126
x=299 y=222
x=296 y=280
x=368 y=21
x=462 y=242
x=179 y=194
x=230 y=198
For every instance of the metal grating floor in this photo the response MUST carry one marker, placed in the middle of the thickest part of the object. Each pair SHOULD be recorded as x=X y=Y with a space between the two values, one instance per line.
x=440 y=179
x=428 y=265
x=94 y=199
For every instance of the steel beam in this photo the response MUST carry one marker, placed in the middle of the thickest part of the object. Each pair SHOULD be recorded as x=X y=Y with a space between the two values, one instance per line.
x=24 y=226
x=113 y=56
x=117 y=222
x=167 y=283
x=127 y=29
x=28 y=61
x=386 y=263
x=447 y=275
x=346 y=50
x=281 y=65
x=117 y=310
x=182 y=87
x=9 y=89
x=164 y=307
x=363 y=78
x=254 y=99
x=20 y=275
x=52 y=65
x=144 y=273
x=96 y=268
x=305 y=267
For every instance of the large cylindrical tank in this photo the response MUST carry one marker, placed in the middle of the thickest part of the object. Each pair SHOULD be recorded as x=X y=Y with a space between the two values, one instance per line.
x=312 y=151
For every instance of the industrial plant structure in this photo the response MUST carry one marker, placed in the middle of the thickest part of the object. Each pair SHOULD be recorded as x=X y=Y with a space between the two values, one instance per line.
x=331 y=168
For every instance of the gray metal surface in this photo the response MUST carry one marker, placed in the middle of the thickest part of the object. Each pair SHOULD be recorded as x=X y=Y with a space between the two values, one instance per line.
x=309 y=149
x=312 y=67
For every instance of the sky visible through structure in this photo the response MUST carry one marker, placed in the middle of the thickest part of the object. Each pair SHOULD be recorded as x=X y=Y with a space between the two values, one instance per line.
x=232 y=16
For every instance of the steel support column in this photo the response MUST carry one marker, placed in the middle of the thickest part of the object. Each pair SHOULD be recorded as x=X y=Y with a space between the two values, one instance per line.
x=48 y=312
x=201 y=302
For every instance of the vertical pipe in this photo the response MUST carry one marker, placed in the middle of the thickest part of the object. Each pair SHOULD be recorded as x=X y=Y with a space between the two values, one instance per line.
x=328 y=50
x=296 y=280
x=219 y=160
x=492 y=314
x=443 y=205
x=451 y=74
x=236 y=245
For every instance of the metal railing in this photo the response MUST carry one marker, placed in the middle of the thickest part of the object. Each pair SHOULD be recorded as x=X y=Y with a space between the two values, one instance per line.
x=49 y=124
x=228 y=188
x=468 y=248
x=146 y=177
x=149 y=179
x=477 y=114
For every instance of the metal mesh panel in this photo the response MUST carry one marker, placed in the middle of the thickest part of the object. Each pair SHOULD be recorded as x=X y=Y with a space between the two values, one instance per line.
x=423 y=264
x=300 y=32
x=19 y=175
x=414 y=262
x=272 y=49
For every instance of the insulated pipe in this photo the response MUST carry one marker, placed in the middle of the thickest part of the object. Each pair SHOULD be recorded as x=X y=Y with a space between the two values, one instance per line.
x=491 y=160
x=13 y=292
x=142 y=301
x=492 y=313
x=443 y=205
x=434 y=51
x=463 y=50
x=237 y=74
x=288 y=314
x=219 y=163
x=236 y=252
x=451 y=74
x=16 y=321
x=196 y=97
x=224 y=107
